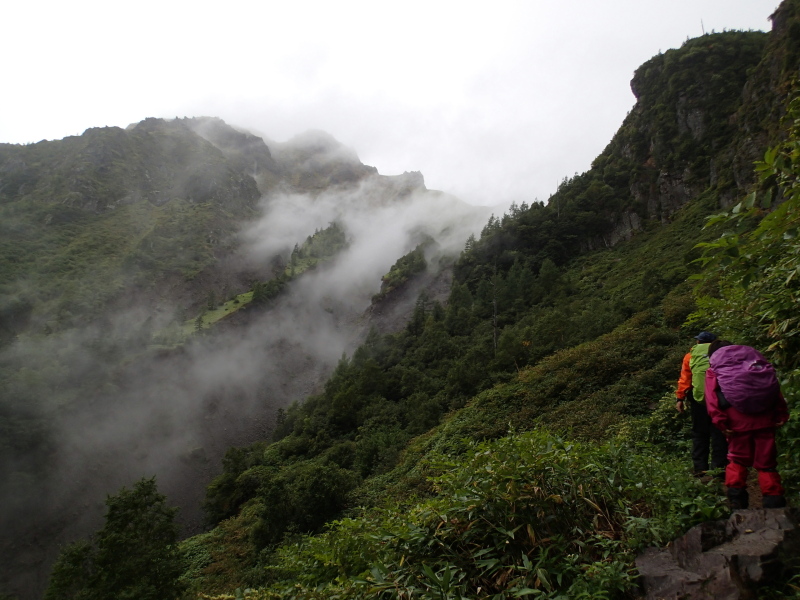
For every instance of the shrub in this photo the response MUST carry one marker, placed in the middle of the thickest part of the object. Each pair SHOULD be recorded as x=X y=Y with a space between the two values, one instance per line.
x=529 y=514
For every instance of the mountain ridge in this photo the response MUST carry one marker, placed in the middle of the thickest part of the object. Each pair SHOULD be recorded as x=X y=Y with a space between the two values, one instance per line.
x=139 y=249
x=563 y=317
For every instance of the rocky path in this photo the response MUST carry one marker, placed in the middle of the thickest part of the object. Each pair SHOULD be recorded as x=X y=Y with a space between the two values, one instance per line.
x=724 y=560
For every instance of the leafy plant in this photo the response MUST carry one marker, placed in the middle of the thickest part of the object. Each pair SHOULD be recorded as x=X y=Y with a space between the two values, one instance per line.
x=525 y=515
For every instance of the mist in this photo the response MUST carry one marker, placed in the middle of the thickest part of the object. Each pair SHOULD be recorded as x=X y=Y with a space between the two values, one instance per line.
x=174 y=413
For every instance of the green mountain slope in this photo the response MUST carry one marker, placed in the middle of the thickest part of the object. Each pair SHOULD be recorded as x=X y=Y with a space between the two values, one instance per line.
x=127 y=257
x=88 y=219
x=553 y=325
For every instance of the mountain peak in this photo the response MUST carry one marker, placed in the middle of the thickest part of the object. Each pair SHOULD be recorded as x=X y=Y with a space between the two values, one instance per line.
x=321 y=144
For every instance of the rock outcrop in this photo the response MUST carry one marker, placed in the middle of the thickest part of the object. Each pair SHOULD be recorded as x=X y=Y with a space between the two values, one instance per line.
x=724 y=560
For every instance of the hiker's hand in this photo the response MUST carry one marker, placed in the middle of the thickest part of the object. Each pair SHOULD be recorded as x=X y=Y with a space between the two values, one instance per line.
x=727 y=432
x=780 y=423
x=679 y=405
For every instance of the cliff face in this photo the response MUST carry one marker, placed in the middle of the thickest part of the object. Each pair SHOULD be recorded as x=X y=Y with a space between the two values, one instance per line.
x=681 y=134
x=704 y=114
x=680 y=141
x=764 y=95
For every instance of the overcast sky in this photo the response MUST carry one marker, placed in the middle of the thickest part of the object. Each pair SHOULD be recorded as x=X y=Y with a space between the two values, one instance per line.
x=492 y=101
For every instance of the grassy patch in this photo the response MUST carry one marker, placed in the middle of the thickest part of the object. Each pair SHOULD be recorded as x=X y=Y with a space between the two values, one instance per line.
x=208 y=318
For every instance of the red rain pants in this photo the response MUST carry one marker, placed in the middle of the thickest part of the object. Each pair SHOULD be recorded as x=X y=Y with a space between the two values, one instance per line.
x=754 y=449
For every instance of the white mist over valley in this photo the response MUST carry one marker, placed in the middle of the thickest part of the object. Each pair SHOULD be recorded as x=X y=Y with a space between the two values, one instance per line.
x=174 y=413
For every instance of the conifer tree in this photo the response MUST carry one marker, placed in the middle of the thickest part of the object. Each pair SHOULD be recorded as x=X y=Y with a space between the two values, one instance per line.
x=134 y=556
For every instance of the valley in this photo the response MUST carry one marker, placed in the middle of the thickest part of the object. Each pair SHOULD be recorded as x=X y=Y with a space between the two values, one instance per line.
x=356 y=387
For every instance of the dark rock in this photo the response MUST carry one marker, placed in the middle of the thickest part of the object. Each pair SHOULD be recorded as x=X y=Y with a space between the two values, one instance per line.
x=725 y=560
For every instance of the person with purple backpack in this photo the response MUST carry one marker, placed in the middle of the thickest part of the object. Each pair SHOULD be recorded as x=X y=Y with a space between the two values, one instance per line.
x=745 y=403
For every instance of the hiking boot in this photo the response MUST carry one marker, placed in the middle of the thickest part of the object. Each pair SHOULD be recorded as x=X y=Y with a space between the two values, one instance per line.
x=773 y=501
x=738 y=498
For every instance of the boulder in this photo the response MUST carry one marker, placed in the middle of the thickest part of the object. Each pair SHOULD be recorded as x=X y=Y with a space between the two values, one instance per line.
x=724 y=560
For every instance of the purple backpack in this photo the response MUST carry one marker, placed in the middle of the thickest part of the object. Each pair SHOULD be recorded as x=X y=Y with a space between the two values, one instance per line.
x=746 y=380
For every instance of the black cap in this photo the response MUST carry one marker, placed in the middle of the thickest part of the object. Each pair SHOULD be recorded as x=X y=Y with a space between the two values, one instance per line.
x=705 y=337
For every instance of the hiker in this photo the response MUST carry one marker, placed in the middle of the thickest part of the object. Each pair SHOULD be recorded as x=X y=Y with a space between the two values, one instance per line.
x=690 y=389
x=746 y=404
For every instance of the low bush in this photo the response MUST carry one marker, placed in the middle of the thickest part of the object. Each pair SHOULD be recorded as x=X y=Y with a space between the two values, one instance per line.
x=526 y=515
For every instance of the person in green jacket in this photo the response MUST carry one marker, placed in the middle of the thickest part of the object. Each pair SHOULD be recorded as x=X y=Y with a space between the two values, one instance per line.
x=691 y=390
